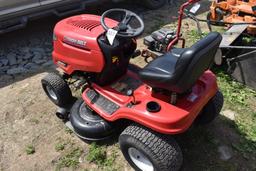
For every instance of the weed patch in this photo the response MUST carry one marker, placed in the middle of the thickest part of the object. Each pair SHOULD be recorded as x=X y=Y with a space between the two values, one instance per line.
x=60 y=146
x=68 y=131
x=30 y=149
x=71 y=159
x=234 y=92
x=195 y=36
x=98 y=155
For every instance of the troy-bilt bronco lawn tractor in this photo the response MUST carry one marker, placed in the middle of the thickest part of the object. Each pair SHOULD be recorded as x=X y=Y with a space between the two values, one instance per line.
x=148 y=104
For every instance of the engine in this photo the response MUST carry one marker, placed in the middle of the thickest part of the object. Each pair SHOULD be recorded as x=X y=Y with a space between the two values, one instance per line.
x=159 y=40
x=80 y=44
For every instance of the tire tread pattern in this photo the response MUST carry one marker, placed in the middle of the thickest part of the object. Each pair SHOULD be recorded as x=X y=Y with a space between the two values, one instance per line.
x=163 y=149
x=60 y=87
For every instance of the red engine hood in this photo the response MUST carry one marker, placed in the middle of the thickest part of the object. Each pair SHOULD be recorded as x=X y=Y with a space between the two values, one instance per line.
x=83 y=29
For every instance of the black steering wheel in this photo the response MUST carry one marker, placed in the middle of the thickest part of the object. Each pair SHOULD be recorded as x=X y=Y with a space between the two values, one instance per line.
x=124 y=29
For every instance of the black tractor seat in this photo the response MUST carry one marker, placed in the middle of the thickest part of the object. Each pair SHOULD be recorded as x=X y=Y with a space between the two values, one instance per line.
x=179 y=69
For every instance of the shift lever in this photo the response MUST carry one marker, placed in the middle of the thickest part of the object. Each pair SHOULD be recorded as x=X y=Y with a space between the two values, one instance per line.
x=131 y=93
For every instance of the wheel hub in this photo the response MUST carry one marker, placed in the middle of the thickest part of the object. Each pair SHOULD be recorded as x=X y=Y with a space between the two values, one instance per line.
x=51 y=92
x=140 y=160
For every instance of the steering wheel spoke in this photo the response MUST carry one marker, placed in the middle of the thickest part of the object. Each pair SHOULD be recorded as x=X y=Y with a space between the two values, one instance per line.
x=124 y=28
x=131 y=31
x=127 y=18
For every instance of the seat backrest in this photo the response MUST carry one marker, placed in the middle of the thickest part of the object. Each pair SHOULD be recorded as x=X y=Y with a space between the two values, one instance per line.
x=200 y=56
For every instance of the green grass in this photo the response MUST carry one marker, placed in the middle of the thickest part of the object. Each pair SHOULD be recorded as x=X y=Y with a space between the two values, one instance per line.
x=71 y=159
x=30 y=149
x=235 y=92
x=60 y=146
x=98 y=155
x=194 y=36
x=237 y=98
x=68 y=131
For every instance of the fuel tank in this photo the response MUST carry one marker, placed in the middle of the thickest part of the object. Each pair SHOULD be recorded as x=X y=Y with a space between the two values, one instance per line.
x=75 y=43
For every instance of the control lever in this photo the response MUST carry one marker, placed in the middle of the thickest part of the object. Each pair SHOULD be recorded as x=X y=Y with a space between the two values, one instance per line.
x=131 y=93
x=136 y=53
x=147 y=54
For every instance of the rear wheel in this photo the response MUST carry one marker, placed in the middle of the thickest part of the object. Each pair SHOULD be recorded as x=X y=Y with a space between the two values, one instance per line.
x=211 y=110
x=153 y=4
x=147 y=150
x=57 y=90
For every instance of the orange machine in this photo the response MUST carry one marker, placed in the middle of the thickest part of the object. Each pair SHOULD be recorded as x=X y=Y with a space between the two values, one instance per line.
x=233 y=11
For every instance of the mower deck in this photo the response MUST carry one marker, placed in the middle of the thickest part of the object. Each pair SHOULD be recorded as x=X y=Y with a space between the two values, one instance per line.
x=69 y=125
x=112 y=103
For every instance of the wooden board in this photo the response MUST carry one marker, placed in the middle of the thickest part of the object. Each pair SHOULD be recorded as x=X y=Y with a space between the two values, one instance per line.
x=232 y=34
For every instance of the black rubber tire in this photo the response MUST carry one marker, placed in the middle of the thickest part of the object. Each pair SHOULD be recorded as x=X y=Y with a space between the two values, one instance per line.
x=87 y=124
x=153 y=4
x=218 y=19
x=59 y=87
x=163 y=151
x=211 y=110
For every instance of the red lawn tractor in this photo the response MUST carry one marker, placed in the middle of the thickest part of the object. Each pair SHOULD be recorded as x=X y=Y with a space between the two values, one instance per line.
x=149 y=105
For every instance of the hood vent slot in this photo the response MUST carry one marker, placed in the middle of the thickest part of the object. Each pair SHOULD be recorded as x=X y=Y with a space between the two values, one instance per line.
x=85 y=24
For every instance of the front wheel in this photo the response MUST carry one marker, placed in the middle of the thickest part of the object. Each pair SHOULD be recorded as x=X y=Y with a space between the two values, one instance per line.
x=57 y=90
x=147 y=150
